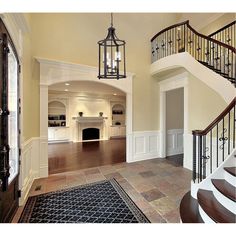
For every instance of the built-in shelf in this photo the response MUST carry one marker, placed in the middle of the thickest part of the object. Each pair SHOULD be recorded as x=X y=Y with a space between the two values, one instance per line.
x=56 y=114
x=118 y=114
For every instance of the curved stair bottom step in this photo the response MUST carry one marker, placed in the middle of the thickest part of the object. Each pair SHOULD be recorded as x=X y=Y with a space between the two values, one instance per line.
x=189 y=212
x=213 y=209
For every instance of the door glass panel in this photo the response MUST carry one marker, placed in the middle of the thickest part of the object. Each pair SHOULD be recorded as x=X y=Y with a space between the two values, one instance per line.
x=13 y=116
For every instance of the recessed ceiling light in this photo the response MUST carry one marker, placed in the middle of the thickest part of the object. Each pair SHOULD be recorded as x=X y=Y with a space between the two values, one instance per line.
x=114 y=94
x=66 y=90
x=67 y=84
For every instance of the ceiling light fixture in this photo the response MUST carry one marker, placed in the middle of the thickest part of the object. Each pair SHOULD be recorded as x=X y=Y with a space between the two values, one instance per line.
x=111 y=56
x=67 y=84
x=66 y=90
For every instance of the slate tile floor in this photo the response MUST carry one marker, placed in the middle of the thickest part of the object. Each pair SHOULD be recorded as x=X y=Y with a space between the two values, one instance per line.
x=156 y=186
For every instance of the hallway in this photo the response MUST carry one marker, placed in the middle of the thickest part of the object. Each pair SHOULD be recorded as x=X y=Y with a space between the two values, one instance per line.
x=64 y=157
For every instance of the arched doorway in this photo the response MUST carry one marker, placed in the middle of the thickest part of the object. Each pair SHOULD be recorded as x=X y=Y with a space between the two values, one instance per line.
x=52 y=72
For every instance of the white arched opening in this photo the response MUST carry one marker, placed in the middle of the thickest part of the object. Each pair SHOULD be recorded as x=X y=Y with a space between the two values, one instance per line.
x=52 y=72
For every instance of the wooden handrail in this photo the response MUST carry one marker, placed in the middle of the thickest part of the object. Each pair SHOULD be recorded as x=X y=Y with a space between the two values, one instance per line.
x=168 y=28
x=195 y=32
x=211 y=39
x=223 y=28
x=216 y=121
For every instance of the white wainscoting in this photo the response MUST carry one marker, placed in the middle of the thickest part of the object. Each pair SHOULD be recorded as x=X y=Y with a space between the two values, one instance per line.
x=174 y=142
x=30 y=166
x=145 y=145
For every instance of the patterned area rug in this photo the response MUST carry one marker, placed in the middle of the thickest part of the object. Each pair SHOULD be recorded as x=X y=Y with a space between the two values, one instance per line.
x=100 y=202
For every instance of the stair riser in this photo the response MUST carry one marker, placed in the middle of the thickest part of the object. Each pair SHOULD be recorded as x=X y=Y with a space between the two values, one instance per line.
x=204 y=216
x=226 y=202
x=230 y=178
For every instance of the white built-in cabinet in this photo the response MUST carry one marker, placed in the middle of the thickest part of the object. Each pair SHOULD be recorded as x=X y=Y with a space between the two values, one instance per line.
x=118 y=127
x=117 y=131
x=58 y=129
x=58 y=133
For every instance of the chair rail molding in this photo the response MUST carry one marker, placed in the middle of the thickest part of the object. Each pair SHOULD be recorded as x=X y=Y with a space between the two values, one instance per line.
x=51 y=72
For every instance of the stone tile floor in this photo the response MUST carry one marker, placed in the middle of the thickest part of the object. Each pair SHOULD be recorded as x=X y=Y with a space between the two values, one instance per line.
x=156 y=186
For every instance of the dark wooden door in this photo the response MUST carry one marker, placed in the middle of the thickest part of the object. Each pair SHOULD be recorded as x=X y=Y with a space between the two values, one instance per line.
x=9 y=126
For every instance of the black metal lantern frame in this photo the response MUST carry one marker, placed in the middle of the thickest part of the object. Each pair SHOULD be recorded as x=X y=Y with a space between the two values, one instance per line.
x=111 y=56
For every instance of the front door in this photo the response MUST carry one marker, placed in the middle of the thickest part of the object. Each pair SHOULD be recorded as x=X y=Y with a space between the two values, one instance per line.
x=9 y=126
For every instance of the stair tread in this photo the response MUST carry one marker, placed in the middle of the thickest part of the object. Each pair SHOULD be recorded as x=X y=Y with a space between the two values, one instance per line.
x=225 y=188
x=189 y=212
x=231 y=170
x=213 y=208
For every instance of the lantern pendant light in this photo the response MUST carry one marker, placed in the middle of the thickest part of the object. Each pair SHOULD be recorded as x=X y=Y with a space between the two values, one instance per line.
x=111 y=56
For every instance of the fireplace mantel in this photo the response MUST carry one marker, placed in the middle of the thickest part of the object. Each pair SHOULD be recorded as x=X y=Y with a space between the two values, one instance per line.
x=89 y=119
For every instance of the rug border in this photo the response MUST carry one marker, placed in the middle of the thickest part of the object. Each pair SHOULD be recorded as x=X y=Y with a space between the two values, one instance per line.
x=139 y=215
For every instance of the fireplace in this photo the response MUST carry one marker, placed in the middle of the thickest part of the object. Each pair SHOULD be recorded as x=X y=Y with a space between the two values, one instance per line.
x=90 y=134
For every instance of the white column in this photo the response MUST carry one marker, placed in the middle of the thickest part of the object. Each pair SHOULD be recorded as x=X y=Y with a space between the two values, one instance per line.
x=43 y=170
x=129 y=128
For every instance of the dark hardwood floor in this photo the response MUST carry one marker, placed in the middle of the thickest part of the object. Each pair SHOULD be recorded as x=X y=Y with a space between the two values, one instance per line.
x=176 y=160
x=74 y=156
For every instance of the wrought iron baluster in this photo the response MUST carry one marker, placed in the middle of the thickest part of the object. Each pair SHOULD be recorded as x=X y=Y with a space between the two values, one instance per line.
x=194 y=158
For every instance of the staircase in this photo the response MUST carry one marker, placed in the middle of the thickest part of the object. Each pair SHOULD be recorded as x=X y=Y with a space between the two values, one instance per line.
x=213 y=191
x=226 y=34
x=210 y=52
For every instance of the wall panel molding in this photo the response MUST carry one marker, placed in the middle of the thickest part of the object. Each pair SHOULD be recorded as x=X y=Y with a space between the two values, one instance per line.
x=30 y=166
x=145 y=145
x=174 y=141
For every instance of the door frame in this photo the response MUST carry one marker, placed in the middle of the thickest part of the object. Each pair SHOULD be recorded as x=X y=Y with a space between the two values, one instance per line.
x=175 y=82
x=10 y=195
x=52 y=72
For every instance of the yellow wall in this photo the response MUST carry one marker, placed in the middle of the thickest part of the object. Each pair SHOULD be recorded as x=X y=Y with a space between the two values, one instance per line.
x=219 y=23
x=73 y=38
x=30 y=91
x=204 y=104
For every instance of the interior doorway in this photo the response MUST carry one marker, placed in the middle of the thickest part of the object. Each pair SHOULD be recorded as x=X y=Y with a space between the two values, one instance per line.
x=175 y=126
x=53 y=72
x=86 y=125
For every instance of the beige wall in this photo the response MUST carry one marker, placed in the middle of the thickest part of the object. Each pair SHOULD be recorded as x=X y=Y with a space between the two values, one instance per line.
x=30 y=89
x=175 y=109
x=218 y=23
x=73 y=38
x=204 y=104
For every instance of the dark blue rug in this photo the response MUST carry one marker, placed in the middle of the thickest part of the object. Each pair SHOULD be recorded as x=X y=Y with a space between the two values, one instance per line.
x=101 y=202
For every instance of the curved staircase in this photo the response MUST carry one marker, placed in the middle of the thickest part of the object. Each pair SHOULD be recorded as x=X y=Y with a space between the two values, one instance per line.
x=206 y=208
x=212 y=198
x=215 y=54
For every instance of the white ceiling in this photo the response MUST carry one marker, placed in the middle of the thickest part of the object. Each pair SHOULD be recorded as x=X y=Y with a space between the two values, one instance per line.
x=87 y=87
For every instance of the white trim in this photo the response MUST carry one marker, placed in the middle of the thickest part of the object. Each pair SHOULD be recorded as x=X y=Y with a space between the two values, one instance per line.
x=21 y=22
x=174 y=142
x=51 y=72
x=177 y=81
x=184 y=60
x=29 y=168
